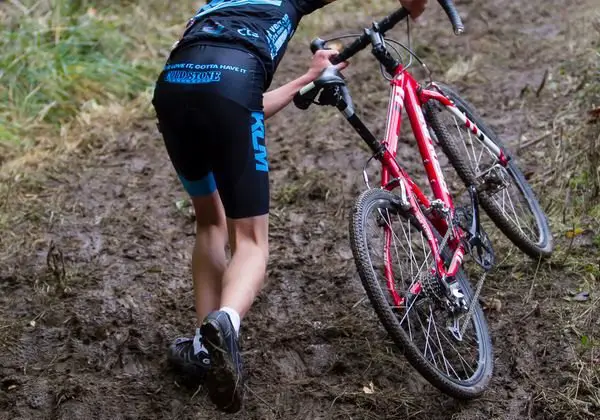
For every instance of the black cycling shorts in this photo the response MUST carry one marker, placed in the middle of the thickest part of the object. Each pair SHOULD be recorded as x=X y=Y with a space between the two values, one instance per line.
x=209 y=105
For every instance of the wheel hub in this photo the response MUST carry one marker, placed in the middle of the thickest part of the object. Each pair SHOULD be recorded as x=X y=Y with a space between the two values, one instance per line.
x=433 y=287
x=494 y=180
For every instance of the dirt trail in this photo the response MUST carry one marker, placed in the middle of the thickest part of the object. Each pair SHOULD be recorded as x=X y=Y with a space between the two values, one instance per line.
x=89 y=341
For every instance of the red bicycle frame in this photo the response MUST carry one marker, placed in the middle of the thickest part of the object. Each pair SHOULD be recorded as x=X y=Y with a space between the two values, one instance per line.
x=407 y=93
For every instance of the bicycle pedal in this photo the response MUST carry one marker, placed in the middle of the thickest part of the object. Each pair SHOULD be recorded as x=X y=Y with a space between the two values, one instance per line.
x=484 y=255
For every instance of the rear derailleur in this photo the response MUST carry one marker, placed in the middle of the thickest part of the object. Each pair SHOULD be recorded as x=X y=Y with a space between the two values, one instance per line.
x=477 y=241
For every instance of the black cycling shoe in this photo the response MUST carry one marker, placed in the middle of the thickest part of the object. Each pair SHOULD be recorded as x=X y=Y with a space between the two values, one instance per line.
x=190 y=356
x=224 y=379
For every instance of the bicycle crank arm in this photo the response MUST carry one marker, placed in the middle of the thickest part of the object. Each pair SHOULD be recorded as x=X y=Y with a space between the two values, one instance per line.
x=475 y=227
x=479 y=244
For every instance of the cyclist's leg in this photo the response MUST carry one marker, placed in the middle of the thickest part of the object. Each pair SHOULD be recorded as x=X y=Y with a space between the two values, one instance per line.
x=188 y=142
x=243 y=178
x=245 y=274
x=208 y=259
x=189 y=139
x=241 y=174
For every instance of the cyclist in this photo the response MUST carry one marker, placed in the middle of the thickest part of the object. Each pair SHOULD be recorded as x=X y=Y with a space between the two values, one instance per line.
x=211 y=101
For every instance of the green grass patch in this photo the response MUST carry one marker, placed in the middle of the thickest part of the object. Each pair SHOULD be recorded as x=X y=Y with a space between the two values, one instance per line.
x=58 y=55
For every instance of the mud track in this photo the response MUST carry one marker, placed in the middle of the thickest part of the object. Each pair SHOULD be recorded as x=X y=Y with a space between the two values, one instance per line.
x=98 y=280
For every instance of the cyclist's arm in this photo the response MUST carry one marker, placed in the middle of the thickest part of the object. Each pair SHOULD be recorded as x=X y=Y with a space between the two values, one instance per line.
x=277 y=99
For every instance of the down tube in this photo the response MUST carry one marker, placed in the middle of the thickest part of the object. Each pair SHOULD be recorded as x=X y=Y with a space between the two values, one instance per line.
x=392 y=134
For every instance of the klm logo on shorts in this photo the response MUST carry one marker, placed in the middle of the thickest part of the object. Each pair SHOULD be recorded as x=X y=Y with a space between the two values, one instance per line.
x=258 y=140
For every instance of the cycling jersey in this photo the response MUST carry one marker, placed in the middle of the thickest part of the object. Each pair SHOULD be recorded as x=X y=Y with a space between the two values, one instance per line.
x=264 y=27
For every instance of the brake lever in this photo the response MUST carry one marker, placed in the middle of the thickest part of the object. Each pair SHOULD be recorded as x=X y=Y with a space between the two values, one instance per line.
x=318 y=44
x=452 y=13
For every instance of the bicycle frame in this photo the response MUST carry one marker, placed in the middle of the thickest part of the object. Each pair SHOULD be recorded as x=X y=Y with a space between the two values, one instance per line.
x=406 y=93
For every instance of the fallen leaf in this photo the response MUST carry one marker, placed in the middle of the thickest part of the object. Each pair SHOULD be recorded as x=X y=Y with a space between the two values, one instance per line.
x=581 y=297
x=492 y=304
x=577 y=297
x=574 y=232
x=181 y=204
x=369 y=389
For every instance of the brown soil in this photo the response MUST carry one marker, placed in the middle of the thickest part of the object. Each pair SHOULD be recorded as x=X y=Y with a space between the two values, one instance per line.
x=95 y=278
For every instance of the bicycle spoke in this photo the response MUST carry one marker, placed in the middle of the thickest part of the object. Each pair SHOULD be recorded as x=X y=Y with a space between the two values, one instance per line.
x=446 y=362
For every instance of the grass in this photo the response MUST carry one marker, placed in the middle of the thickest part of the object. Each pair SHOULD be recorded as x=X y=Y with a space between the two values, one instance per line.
x=57 y=56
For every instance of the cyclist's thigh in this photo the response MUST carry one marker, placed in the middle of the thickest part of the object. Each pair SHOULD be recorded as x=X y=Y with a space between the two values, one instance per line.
x=187 y=147
x=241 y=167
x=250 y=229
x=186 y=128
x=240 y=162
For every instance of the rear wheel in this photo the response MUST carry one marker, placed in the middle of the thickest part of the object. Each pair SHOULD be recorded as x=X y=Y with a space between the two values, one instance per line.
x=504 y=193
x=392 y=256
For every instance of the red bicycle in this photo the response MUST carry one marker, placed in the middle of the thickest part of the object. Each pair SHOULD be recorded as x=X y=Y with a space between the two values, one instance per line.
x=409 y=248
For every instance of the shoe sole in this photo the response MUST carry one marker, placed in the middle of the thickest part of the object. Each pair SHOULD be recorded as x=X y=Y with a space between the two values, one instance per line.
x=196 y=372
x=224 y=384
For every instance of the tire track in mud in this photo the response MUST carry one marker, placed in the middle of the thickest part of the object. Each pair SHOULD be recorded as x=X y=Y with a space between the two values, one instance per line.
x=93 y=339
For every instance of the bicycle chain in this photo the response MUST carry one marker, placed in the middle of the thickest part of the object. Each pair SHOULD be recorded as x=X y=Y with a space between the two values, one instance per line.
x=446 y=236
x=474 y=300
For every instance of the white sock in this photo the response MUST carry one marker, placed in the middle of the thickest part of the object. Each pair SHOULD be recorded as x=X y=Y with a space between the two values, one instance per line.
x=234 y=317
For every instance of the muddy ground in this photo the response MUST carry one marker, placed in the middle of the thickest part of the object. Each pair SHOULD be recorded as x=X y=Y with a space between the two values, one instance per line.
x=95 y=279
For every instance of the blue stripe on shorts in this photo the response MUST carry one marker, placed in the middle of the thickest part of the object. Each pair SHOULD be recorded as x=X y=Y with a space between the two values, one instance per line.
x=201 y=187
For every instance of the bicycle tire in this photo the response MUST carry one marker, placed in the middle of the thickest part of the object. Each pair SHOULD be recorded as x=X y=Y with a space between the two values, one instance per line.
x=544 y=245
x=358 y=240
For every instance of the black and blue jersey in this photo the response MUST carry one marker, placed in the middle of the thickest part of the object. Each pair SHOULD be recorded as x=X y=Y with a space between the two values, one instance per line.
x=263 y=27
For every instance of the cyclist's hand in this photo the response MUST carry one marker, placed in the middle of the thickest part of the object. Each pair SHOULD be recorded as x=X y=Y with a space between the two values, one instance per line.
x=320 y=62
x=415 y=7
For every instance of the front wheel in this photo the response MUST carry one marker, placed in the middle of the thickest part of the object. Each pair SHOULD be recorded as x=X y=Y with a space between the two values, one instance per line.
x=504 y=193
x=392 y=256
